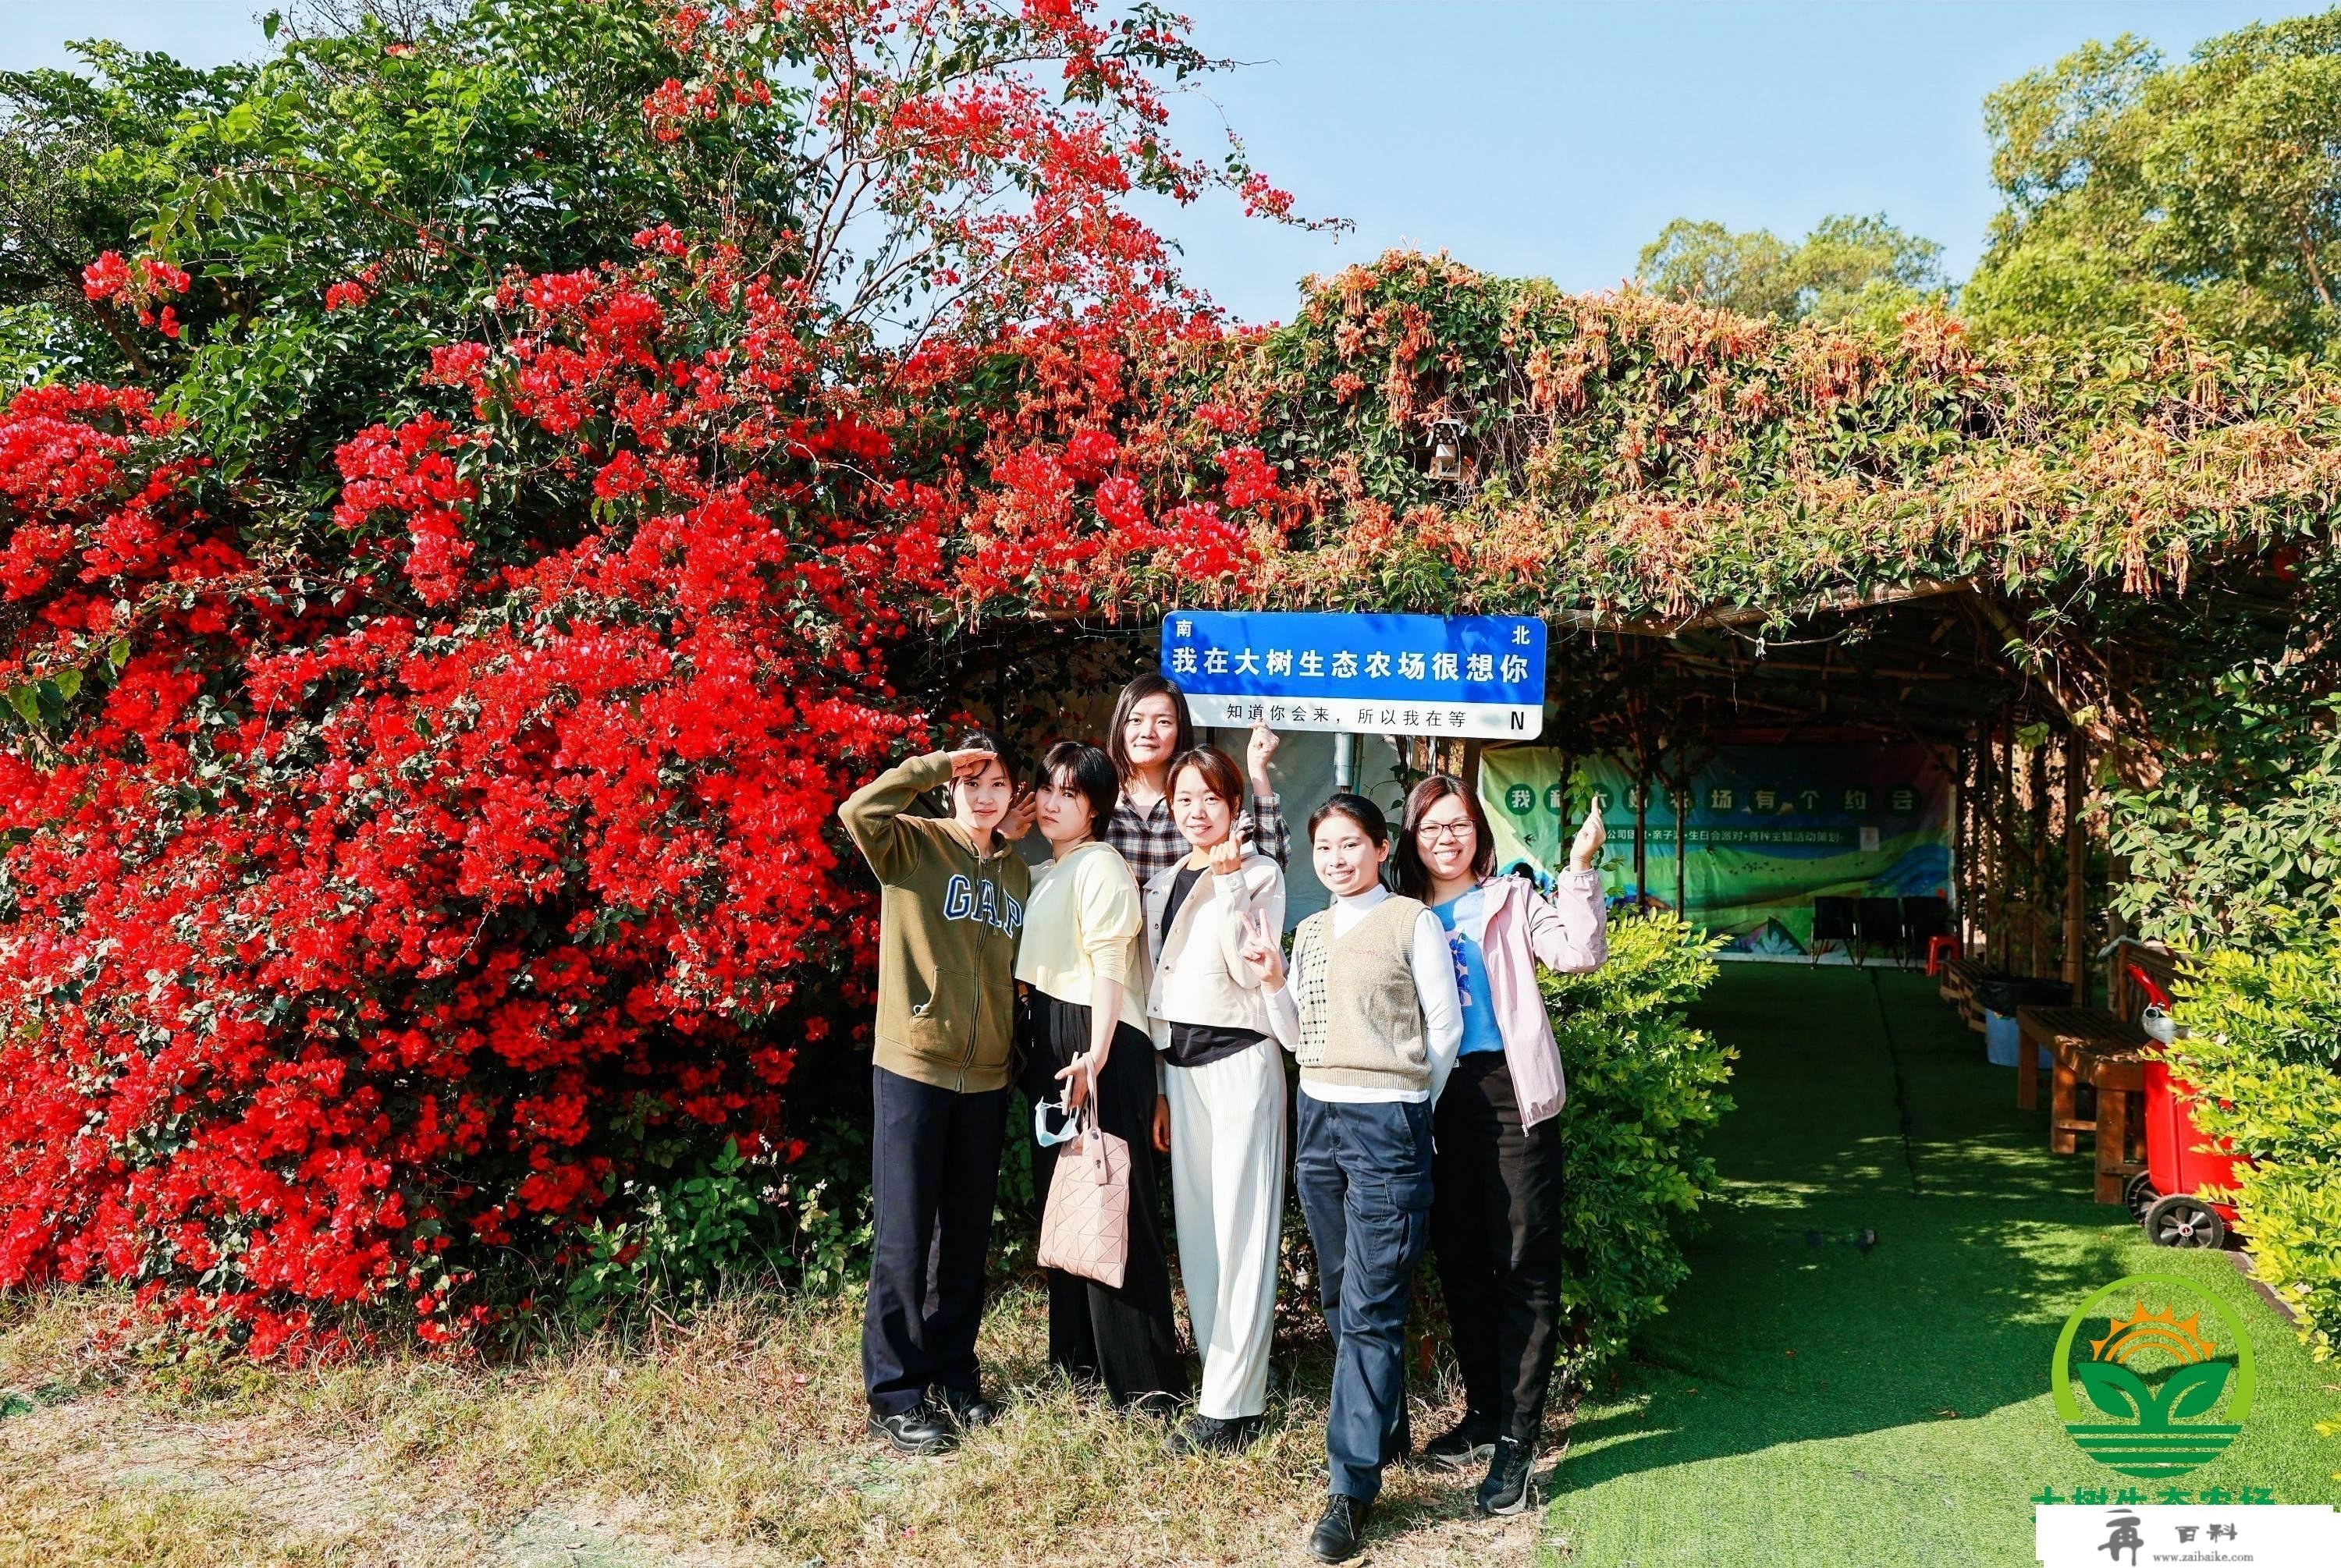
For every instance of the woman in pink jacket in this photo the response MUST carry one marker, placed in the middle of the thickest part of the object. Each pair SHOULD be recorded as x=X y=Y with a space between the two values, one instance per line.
x=1496 y=1216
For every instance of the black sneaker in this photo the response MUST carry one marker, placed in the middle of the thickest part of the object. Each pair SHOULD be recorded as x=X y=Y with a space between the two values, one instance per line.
x=1214 y=1435
x=920 y=1431
x=1158 y=1405
x=1508 y=1488
x=1471 y=1441
x=966 y=1411
x=1339 y=1528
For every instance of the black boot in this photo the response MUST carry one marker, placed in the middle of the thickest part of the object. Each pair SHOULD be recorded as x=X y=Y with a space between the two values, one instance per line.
x=1470 y=1441
x=919 y=1430
x=967 y=1411
x=1508 y=1489
x=1214 y=1435
x=1339 y=1528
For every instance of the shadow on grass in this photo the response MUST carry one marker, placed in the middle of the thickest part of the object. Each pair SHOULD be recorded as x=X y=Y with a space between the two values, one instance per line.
x=1898 y=1249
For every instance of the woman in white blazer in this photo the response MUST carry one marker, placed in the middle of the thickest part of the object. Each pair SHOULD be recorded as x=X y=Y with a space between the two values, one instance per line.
x=1224 y=1092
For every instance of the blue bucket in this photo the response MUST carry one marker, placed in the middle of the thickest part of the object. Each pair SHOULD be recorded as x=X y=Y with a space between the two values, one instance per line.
x=2002 y=1042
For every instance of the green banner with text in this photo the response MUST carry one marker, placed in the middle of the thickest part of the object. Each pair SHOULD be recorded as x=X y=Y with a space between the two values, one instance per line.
x=1769 y=829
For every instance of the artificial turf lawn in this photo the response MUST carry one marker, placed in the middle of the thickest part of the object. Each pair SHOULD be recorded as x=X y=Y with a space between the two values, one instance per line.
x=1803 y=1401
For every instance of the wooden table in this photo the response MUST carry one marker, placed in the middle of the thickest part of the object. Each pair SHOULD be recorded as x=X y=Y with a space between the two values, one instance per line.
x=2097 y=1048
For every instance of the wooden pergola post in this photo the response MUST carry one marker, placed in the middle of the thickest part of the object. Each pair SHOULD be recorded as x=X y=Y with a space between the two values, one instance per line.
x=1682 y=848
x=1962 y=844
x=2004 y=856
x=1987 y=847
x=1642 y=837
x=2036 y=781
x=2077 y=862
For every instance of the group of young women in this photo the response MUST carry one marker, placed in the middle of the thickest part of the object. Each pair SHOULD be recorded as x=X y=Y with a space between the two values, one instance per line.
x=1155 y=990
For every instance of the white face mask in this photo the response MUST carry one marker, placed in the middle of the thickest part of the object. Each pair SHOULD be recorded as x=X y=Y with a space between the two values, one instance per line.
x=1066 y=1134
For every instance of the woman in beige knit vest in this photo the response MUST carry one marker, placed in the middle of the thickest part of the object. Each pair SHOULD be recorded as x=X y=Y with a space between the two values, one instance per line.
x=1372 y=1014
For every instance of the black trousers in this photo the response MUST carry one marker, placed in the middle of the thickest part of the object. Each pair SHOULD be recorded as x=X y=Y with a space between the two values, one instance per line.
x=1495 y=1232
x=1122 y=1338
x=934 y=1169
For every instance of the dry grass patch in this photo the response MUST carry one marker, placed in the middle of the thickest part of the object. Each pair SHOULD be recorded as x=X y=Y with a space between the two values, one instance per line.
x=733 y=1438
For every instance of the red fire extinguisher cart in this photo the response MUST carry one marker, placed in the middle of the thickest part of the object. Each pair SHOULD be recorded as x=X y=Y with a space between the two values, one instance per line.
x=2179 y=1163
x=2165 y=1197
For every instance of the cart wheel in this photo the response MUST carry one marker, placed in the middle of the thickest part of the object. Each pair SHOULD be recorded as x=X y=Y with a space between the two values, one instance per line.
x=2138 y=1194
x=2180 y=1220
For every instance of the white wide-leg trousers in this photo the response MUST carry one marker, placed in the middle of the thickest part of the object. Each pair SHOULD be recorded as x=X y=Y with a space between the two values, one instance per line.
x=1227 y=1190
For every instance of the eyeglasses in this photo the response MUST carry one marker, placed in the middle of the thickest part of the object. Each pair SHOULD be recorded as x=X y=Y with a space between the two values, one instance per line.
x=1432 y=832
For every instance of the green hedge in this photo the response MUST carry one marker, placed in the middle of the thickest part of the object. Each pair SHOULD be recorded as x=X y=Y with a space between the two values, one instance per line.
x=2264 y=1049
x=1644 y=1088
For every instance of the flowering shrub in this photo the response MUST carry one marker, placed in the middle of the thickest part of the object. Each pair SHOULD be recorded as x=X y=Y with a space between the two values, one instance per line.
x=419 y=813
x=346 y=925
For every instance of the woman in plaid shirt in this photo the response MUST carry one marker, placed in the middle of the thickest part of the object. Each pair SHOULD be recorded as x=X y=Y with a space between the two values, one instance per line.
x=1150 y=726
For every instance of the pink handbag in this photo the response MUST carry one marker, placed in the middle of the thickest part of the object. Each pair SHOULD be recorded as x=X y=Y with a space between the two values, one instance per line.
x=1085 y=1230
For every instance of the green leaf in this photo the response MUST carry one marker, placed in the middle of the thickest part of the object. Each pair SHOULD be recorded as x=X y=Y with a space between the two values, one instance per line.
x=26 y=702
x=2192 y=1391
x=68 y=683
x=2115 y=1389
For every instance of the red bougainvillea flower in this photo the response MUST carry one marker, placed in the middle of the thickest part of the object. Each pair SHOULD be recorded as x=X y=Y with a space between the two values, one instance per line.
x=106 y=277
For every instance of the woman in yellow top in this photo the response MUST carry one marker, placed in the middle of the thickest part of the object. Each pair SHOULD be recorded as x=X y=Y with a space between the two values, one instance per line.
x=1084 y=959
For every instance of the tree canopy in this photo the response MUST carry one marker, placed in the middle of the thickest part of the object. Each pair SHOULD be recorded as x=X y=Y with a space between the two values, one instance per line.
x=1848 y=269
x=2134 y=185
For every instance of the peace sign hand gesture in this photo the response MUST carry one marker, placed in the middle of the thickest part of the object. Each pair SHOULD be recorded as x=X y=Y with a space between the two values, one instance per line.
x=1263 y=951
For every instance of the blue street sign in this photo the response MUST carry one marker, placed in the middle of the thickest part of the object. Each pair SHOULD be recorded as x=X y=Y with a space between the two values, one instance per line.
x=1476 y=676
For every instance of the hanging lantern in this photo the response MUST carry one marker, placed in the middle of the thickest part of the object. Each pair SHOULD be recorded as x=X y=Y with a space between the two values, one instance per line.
x=1447 y=448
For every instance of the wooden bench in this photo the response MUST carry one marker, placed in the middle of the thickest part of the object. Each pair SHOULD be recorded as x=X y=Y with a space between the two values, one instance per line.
x=1959 y=978
x=2097 y=1048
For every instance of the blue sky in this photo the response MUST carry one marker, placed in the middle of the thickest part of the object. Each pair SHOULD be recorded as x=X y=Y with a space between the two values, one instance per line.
x=1529 y=138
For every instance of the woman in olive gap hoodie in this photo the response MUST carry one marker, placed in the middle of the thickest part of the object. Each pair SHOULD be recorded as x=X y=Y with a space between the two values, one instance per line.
x=951 y=902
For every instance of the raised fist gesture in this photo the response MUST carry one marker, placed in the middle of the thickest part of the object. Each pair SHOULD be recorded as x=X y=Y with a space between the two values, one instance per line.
x=1259 y=752
x=1227 y=857
x=1586 y=847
